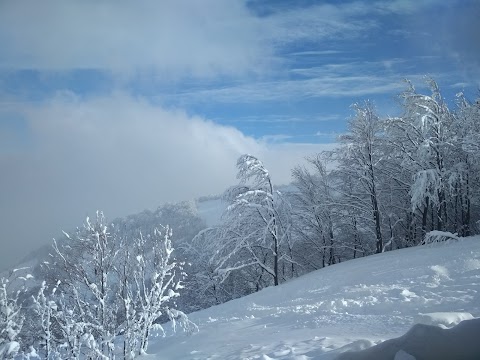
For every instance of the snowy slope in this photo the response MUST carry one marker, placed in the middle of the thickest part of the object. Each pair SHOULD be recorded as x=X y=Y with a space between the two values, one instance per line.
x=352 y=305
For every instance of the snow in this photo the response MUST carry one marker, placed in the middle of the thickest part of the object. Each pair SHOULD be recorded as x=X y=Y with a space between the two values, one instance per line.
x=9 y=349
x=439 y=236
x=442 y=319
x=403 y=355
x=390 y=303
x=427 y=342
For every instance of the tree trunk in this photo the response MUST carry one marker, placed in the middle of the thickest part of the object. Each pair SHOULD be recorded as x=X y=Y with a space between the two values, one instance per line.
x=275 y=261
x=355 y=237
x=332 y=252
x=466 y=210
x=378 y=230
x=376 y=211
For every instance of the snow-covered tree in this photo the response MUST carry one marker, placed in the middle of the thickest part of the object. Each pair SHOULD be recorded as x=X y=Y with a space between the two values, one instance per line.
x=204 y=285
x=45 y=309
x=314 y=205
x=328 y=215
x=464 y=180
x=427 y=122
x=156 y=282
x=85 y=265
x=253 y=230
x=435 y=148
x=360 y=157
x=252 y=247
x=11 y=315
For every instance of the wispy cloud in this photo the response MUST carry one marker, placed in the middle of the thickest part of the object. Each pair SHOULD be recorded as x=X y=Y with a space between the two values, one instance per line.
x=289 y=119
x=317 y=22
x=261 y=119
x=275 y=138
x=326 y=134
x=330 y=21
x=327 y=139
x=315 y=53
x=330 y=85
x=460 y=85
x=391 y=65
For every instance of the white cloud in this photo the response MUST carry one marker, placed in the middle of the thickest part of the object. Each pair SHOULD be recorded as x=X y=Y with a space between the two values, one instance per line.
x=119 y=154
x=175 y=37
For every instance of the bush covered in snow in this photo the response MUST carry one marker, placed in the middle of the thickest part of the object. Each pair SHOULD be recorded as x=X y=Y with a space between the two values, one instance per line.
x=102 y=296
x=11 y=315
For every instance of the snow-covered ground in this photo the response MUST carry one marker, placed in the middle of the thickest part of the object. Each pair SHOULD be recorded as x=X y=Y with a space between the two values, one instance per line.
x=348 y=306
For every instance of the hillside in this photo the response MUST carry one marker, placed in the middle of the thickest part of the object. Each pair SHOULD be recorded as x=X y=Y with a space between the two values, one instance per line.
x=348 y=306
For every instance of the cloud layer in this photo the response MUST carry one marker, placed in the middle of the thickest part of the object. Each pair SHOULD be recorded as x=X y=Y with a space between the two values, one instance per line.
x=175 y=37
x=116 y=153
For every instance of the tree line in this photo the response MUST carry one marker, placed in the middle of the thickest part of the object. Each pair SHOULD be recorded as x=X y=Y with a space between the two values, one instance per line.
x=391 y=183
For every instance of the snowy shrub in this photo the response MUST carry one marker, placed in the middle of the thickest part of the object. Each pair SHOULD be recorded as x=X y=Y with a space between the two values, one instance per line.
x=155 y=282
x=104 y=285
x=435 y=237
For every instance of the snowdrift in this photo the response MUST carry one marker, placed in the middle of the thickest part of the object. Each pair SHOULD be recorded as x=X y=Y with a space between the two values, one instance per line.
x=427 y=342
x=368 y=305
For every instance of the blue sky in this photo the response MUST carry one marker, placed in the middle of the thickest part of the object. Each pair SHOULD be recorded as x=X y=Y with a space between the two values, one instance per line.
x=302 y=63
x=123 y=105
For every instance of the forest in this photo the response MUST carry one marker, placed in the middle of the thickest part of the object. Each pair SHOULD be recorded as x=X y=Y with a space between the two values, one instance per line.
x=391 y=183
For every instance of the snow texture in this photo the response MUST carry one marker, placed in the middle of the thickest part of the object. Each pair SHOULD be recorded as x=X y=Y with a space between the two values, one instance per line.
x=427 y=342
x=442 y=319
x=375 y=307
